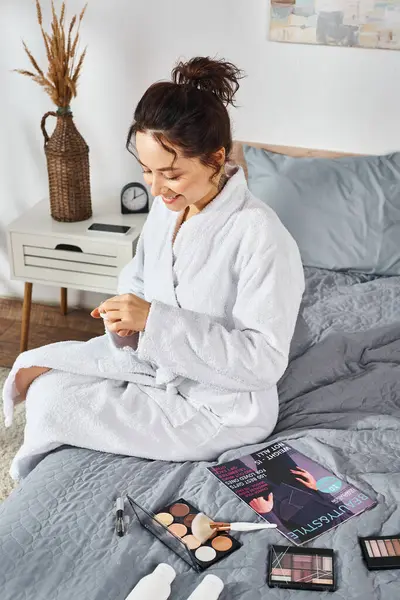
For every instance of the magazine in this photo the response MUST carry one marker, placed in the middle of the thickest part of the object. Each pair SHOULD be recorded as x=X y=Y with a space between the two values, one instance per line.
x=289 y=489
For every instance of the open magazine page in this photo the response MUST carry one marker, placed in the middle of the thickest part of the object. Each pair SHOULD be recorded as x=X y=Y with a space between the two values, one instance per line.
x=285 y=487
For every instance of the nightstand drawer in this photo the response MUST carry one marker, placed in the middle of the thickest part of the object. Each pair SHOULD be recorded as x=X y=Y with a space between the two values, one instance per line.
x=68 y=261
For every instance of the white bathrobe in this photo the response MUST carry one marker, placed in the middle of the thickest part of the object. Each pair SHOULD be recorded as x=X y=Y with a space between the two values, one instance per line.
x=201 y=378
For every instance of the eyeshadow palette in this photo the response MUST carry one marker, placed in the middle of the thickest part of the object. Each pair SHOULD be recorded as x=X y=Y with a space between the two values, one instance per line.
x=302 y=568
x=172 y=526
x=381 y=552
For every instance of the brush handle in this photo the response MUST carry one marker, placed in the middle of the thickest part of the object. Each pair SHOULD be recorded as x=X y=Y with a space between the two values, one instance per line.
x=251 y=526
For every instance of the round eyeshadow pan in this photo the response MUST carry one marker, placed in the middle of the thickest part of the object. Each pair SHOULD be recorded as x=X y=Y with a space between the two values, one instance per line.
x=178 y=529
x=205 y=554
x=164 y=518
x=179 y=510
x=221 y=543
x=191 y=542
x=189 y=520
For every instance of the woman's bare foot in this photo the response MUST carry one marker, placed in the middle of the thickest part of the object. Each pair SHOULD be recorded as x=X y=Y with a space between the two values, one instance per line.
x=24 y=378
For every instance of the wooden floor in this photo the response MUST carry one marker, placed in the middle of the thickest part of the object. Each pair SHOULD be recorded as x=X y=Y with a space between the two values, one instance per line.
x=47 y=325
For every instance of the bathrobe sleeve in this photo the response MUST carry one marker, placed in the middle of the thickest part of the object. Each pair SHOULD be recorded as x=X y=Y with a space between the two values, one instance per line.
x=130 y=281
x=251 y=356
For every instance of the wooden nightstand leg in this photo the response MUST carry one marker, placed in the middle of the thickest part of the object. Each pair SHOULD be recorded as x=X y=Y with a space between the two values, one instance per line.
x=64 y=303
x=26 y=316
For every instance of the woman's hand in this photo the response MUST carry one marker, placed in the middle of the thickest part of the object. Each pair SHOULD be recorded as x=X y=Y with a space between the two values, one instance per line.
x=305 y=478
x=262 y=505
x=125 y=314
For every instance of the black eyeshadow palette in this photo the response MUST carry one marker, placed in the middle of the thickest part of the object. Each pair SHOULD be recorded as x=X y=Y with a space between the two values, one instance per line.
x=302 y=568
x=172 y=526
x=381 y=552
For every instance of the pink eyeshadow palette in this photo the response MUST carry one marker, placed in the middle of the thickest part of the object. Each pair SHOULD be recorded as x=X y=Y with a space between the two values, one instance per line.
x=381 y=552
x=302 y=568
x=172 y=526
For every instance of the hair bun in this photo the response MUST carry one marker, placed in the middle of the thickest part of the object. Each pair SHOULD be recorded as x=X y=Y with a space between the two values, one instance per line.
x=216 y=76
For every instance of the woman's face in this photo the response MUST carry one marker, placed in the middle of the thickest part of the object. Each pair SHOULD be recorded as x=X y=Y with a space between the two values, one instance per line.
x=185 y=183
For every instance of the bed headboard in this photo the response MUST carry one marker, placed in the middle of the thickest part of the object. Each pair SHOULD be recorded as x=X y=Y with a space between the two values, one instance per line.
x=237 y=154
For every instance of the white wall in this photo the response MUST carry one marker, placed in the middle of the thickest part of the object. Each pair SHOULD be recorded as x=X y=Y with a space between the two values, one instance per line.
x=311 y=96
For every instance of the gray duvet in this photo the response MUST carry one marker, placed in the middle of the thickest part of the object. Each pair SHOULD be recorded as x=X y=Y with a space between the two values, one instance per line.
x=340 y=405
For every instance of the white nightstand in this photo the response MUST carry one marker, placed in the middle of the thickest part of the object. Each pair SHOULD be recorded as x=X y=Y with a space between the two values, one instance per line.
x=42 y=250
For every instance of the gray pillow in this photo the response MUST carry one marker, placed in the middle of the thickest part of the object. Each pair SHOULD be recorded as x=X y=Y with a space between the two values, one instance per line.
x=344 y=212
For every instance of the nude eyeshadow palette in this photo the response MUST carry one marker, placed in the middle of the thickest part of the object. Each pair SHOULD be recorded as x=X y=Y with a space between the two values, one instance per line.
x=171 y=524
x=381 y=552
x=302 y=568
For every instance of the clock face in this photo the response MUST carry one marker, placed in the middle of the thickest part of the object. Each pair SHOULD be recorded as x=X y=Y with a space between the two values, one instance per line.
x=134 y=198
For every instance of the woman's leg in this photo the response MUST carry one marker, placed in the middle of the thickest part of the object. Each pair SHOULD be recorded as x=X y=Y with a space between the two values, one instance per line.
x=24 y=378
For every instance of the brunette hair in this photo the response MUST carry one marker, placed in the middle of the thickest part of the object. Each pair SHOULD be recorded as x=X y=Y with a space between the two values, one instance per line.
x=190 y=112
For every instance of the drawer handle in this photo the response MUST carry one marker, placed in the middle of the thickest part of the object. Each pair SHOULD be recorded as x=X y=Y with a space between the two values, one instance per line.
x=68 y=247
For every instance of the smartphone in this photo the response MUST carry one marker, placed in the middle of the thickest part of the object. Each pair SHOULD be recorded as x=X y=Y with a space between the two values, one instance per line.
x=107 y=228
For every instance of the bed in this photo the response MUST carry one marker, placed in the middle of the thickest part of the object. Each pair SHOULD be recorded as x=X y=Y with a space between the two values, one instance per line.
x=340 y=405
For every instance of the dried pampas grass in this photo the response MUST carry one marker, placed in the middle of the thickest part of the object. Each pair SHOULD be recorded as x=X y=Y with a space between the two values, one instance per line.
x=61 y=44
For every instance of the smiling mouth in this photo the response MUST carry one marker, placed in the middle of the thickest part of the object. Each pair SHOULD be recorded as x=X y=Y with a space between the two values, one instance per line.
x=170 y=200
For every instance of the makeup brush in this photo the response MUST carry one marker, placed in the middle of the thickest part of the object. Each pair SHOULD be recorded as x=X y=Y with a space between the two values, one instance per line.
x=203 y=527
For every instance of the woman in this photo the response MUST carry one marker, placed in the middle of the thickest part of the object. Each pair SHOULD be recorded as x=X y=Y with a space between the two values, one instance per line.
x=201 y=328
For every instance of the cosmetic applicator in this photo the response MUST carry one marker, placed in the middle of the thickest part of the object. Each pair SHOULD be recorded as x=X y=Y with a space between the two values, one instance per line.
x=203 y=527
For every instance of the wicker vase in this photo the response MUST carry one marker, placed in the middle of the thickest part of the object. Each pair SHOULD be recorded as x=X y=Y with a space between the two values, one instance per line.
x=68 y=168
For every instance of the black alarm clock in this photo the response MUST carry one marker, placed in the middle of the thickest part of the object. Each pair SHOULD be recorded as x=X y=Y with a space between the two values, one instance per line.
x=134 y=199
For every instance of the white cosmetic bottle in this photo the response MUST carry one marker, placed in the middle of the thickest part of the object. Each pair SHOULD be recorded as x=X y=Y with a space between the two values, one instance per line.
x=156 y=586
x=209 y=589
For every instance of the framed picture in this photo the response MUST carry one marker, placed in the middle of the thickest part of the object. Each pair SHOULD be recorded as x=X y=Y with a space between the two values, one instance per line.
x=353 y=23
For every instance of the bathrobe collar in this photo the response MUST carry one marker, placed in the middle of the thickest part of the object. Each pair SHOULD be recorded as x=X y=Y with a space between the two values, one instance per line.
x=199 y=229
